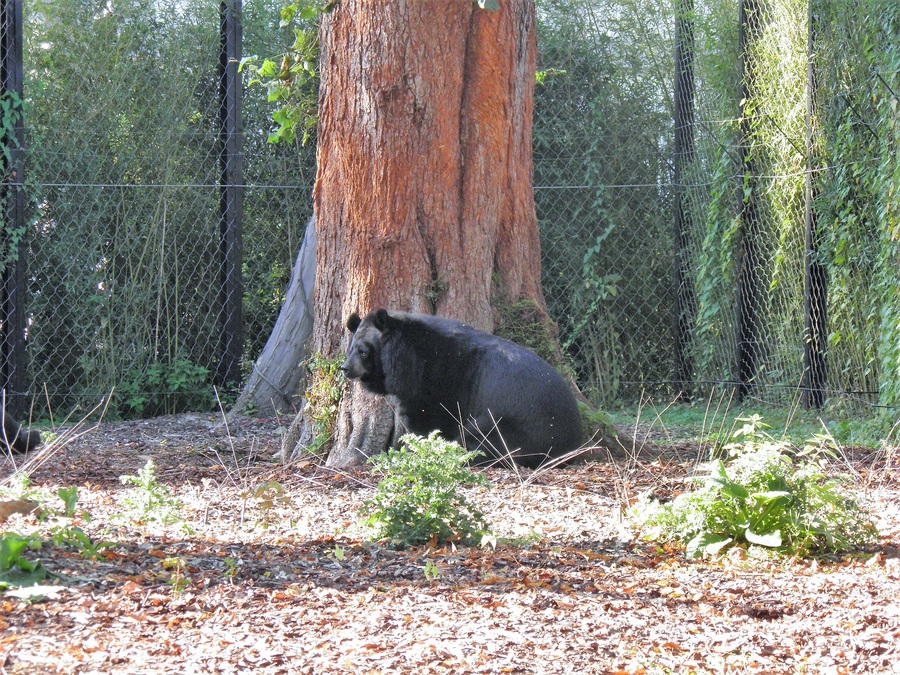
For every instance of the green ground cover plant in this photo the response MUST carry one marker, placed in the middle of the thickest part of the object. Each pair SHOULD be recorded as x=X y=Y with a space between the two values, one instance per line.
x=764 y=492
x=418 y=499
x=149 y=501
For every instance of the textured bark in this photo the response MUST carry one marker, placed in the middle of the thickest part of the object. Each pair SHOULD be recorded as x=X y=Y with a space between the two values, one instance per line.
x=277 y=374
x=423 y=197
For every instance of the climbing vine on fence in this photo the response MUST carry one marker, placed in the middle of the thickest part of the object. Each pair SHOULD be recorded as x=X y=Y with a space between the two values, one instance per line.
x=859 y=62
x=11 y=115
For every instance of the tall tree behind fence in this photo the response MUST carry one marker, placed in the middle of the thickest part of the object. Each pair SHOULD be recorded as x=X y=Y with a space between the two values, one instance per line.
x=699 y=229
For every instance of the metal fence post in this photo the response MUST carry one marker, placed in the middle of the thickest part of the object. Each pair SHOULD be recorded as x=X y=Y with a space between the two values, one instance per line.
x=685 y=304
x=12 y=198
x=749 y=265
x=815 y=296
x=231 y=193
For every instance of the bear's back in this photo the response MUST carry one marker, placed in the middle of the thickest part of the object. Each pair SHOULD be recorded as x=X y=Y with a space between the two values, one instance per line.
x=490 y=385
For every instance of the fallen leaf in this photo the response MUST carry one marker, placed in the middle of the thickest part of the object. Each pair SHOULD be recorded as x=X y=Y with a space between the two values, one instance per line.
x=23 y=506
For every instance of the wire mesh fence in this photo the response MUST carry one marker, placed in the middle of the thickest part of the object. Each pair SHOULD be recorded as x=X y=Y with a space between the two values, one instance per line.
x=679 y=247
x=124 y=150
x=713 y=182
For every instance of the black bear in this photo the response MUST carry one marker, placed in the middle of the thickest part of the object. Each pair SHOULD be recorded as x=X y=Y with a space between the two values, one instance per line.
x=15 y=437
x=475 y=388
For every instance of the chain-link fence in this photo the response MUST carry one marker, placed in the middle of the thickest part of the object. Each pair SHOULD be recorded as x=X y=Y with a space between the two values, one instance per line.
x=718 y=209
x=671 y=187
x=124 y=164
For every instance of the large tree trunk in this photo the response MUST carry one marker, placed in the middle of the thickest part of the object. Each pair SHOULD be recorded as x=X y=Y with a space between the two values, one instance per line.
x=423 y=196
x=424 y=189
x=277 y=373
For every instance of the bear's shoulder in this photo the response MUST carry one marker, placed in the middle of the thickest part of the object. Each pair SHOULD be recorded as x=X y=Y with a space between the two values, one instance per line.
x=450 y=329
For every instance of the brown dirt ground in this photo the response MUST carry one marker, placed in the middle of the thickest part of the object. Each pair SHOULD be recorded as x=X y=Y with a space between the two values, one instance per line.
x=259 y=580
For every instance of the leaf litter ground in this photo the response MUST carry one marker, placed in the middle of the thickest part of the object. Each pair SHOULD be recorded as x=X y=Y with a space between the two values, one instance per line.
x=271 y=572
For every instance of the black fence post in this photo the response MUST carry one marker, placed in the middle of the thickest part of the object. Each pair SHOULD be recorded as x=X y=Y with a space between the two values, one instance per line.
x=685 y=304
x=12 y=199
x=815 y=297
x=749 y=268
x=231 y=193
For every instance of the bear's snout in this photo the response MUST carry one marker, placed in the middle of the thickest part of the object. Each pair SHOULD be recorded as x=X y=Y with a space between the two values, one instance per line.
x=352 y=370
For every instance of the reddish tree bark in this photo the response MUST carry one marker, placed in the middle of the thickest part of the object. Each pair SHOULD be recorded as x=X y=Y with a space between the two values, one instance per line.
x=423 y=196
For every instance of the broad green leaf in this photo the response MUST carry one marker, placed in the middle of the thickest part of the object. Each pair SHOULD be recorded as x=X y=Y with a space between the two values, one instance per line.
x=731 y=488
x=770 y=495
x=706 y=542
x=770 y=540
x=268 y=68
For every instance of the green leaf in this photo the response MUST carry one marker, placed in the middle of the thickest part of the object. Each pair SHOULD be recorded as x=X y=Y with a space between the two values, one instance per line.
x=729 y=487
x=709 y=543
x=308 y=13
x=769 y=540
x=69 y=497
x=489 y=5
x=770 y=495
x=268 y=68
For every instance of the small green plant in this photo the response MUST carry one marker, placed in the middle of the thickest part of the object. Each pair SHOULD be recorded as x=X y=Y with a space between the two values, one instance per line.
x=323 y=394
x=149 y=501
x=15 y=568
x=18 y=486
x=69 y=497
x=74 y=537
x=71 y=534
x=177 y=576
x=418 y=500
x=268 y=495
x=767 y=493
x=431 y=571
x=231 y=566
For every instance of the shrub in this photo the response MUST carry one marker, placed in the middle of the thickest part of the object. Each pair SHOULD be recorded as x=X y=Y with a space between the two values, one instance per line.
x=166 y=389
x=765 y=493
x=418 y=500
x=150 y=501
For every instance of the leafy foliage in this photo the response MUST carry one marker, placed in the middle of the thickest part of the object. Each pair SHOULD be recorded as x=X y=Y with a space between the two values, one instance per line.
x=267 y=495
x=595 y=129
x=764 y=494
x=124 y=252
x=11 y=117
x=150 y=501
x=291 y=79
x=167 y=389
x=858 y=141
x=324 y=389
x=16 y=569
x=418 y=500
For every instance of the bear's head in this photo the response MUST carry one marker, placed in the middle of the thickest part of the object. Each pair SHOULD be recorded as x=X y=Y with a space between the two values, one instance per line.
x=364 y=357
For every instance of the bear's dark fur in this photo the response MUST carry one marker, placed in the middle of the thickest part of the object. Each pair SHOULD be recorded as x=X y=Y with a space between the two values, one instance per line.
x=445 y=374
x=15 y=437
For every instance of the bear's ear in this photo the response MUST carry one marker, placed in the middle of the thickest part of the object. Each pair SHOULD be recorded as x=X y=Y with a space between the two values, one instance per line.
x=380 y=319
x=353 y=322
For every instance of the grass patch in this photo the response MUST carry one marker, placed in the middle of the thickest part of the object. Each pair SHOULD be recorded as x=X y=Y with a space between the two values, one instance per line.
x=714 y=422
